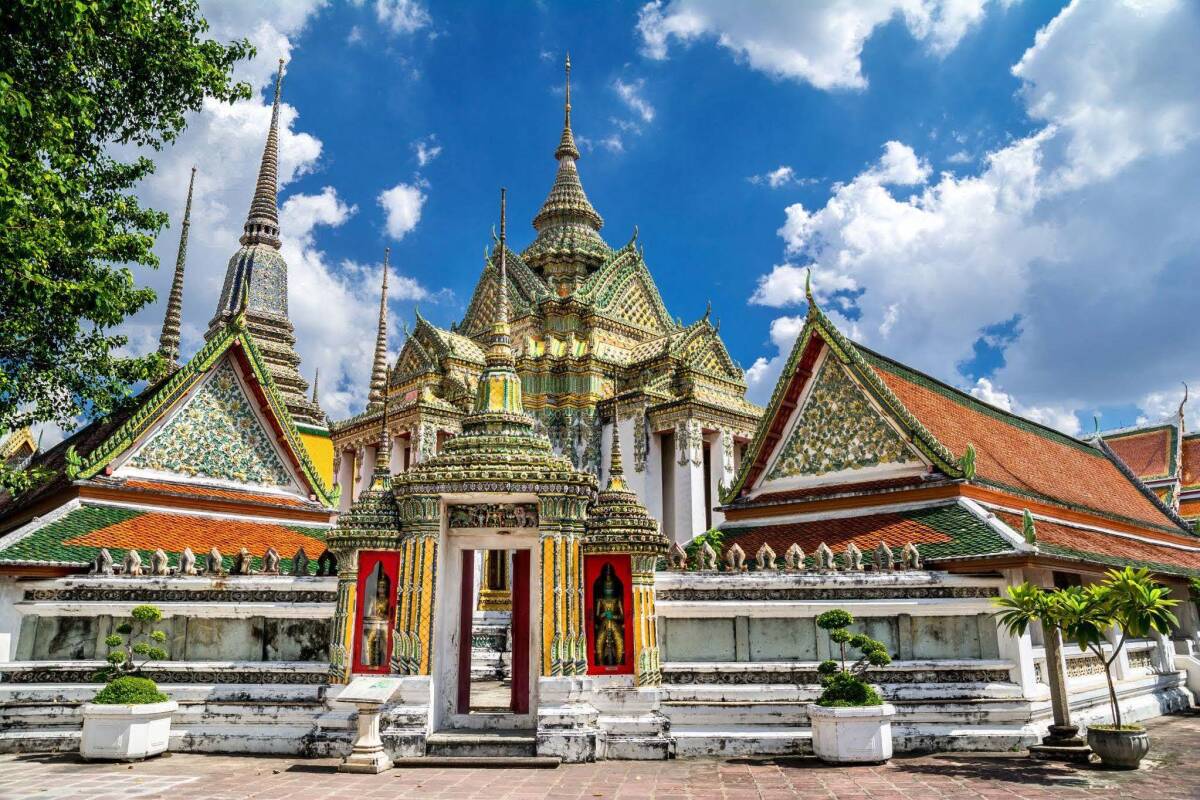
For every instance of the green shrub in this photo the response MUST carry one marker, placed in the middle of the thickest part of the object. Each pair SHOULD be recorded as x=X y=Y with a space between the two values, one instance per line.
x=844 y=686
x=128 y=690
x=133 y=640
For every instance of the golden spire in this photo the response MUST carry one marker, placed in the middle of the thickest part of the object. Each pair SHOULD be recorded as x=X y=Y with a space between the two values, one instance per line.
x=262 y=223
x=566 y=145
x=168 y=339
x=379 y=371
x=499 y=389
x=500 y=352
x=616 y=471
x=383 y=453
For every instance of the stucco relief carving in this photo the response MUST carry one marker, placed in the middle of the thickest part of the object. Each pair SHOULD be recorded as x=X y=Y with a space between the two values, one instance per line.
x=838 y=430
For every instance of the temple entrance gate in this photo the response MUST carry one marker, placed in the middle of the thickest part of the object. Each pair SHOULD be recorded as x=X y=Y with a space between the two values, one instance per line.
x=456 y=705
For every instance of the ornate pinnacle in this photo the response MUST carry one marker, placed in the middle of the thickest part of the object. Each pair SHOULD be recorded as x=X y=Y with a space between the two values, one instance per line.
x=383 y=453
x=262 y=223
x=500 y=352
x=168 y=340
x=566 y=145
x=379 y=371
x=616 y=471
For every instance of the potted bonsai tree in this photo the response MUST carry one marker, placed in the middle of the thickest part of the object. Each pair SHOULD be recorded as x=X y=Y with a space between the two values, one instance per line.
x=129 y=718
x=1128 y=599
x=850 y=721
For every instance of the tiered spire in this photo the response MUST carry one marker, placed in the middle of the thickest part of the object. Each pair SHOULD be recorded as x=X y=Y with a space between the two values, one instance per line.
x=262 y=223
x=616 y=470
x=256 y=284
x=383 y=454
x=567 y=225
x=499 y=389
x=168 y=340
x=379 y=371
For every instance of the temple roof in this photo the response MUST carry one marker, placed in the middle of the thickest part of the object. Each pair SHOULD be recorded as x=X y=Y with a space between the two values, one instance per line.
x=75 y=538
x=89 y=453
x=1012 y=454
x=1149 y=452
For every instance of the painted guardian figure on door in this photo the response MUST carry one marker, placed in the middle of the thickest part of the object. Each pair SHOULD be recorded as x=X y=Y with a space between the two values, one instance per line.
x=608 y=619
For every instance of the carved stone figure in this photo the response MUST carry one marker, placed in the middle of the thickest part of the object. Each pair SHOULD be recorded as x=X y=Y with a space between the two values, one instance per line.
x=608 y=619
x=735 y=558
x=103 y=563
x=708 y=557
x=883 y=558
x=376 y=618
x=677 y=557
x=158 y=563
x=270 y=561
x=187 y=562
x=242 y=562
x=824 y=558
x=853 y=558
x=214 y=564
x=326 y=564
x=133 y=563
x=911 y=556
x=300 y=563
x=794 y=557
x=764 y=559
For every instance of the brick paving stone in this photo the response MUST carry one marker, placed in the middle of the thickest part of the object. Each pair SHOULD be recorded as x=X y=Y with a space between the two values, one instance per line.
x=1171 y=773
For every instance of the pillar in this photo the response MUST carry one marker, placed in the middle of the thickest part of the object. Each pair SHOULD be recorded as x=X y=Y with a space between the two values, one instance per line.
x=643 y=472
x=647 y=668
x=344 y=476
x=688 y=489
x=723 y=469
x=396 y=462
x=413 y=636
x=341 y=646
x=564 y=645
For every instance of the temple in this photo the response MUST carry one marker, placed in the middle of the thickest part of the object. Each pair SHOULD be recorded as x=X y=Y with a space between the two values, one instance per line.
x=1166 y=458
x=511 y=541
x=594 y=346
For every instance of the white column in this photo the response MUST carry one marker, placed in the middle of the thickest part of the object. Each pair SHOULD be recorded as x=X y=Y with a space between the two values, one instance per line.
x=345 y=479
x=689 y=481
x=722 y=469
x=366 y=468
x=1019 y=650
x=396 y=463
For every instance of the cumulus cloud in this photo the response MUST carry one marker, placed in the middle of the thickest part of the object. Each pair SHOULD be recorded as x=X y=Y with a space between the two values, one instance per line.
x=764 y=372
x=631 y=94
x=1084 y=228
x=401 y=16
x=818 y=42
x=782 y=175
x=1063 y=419
x=426 y=149
x=402 y=205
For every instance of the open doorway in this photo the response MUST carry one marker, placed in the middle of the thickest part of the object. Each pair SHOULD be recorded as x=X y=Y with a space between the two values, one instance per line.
x=493 y=657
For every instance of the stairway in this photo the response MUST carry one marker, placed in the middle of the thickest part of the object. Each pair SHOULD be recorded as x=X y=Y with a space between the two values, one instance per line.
x=468 y=748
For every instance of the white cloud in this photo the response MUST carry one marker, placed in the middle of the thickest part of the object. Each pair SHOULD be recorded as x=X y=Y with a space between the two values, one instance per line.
x=817 y=41
x=401 y=16
x=1084 y=230
x=427 y=149
x=613 y=143
x=960 y=157
x=1063 y=419
x=780 y=176
x=402 y=204
x=631 y=94
x=764 y=372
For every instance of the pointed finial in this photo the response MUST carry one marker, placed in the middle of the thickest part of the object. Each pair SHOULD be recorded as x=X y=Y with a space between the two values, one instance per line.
x=616 y=470
x=503 y=299
x=566 y=145
x=379 y=372
x=808 y=294
x=383 y=454
x=262 y=223
x=168 y=339
x=316 y=383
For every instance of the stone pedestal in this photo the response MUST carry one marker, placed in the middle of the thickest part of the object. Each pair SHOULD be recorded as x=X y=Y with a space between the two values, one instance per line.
x=1063 y=742
x=367 y=755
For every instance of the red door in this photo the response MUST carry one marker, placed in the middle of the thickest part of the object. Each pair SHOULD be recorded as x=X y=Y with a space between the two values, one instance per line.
x=520 y=632
x=466 y=618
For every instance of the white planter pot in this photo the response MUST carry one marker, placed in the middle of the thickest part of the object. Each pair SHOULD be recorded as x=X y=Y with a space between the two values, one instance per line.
x=852 y=735
x=125 y=733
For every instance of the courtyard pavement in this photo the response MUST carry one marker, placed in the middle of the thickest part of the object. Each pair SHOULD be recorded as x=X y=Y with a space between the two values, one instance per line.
x=1172 y=772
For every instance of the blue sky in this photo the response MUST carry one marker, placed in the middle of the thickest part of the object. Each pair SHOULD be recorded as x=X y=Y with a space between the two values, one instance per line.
x=1023 y=232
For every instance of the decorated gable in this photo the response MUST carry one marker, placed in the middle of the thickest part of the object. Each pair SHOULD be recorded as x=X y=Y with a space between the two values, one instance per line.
x=216 y=434
x=836 y=430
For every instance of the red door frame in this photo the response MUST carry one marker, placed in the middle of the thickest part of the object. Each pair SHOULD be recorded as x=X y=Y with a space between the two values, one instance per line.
x=520 y=632
x=367 y=561
x=593 y=564
x=466 y=619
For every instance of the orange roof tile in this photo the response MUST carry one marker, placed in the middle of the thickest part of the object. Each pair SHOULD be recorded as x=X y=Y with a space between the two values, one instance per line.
x=1016 y=453
x=218 y=493
x=174 y=532
x=1147 y=453
x=1191 y=460
x=1110 y=549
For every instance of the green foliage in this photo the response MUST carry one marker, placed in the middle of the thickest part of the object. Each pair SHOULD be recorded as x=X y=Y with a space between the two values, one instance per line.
x=834 y=619
x=131 y=641
x=713 y=538
x=84 y=86
x=845 y=686
x=129 y=690
x=1127 y=599
x=847 y=689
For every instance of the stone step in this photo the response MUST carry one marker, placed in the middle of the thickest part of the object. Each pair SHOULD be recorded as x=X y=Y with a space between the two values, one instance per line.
x=740 y=740
x=42 y=740
x=495 y=744
x=724 y=714
x=480 y=762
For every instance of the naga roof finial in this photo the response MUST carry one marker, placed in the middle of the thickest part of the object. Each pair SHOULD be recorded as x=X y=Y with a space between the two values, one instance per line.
x=1182 y=403
x=168 y=340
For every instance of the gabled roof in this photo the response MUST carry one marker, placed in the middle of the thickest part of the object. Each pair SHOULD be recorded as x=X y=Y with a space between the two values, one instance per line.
x=1190 y=472
x=1149 y=452
x=1012 y=454
x=525 y=290
x=623 y=289
x=90 y=451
